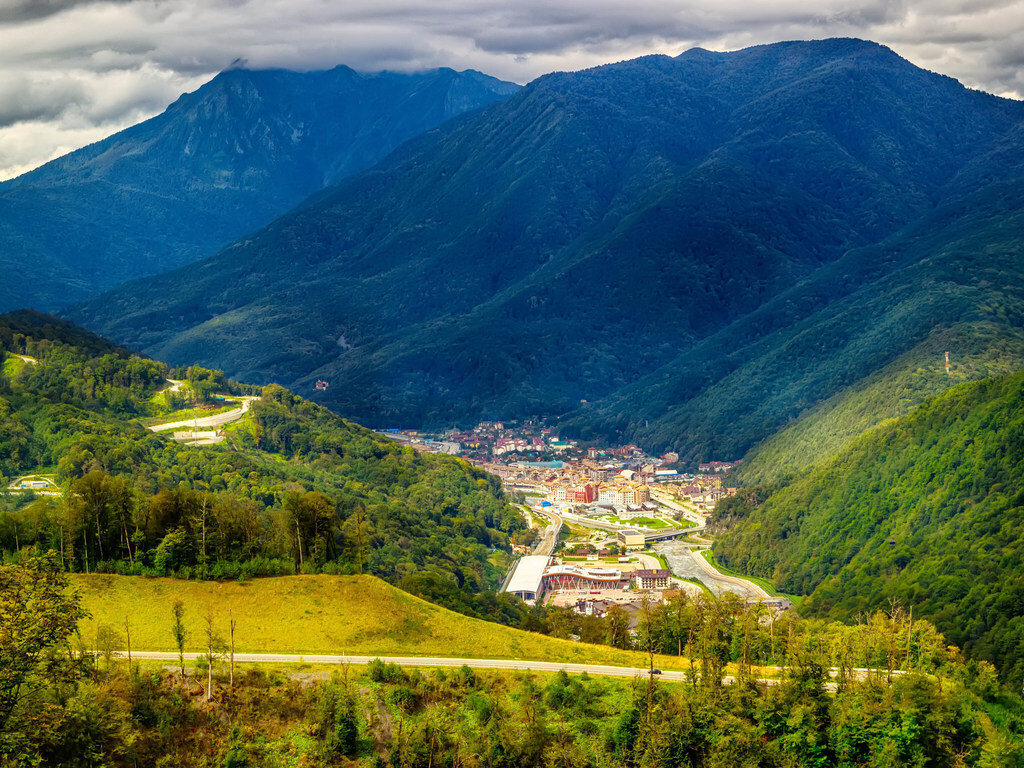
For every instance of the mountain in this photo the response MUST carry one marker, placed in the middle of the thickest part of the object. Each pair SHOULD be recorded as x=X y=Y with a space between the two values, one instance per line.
x=628 y=236
x=861 y=340
x=217 y=164
x=927 y=509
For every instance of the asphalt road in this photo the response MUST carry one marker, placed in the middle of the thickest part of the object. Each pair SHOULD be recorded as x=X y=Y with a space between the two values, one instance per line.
x=208 y=421
x=683 y=564
x=423 y=661
x=550 y=539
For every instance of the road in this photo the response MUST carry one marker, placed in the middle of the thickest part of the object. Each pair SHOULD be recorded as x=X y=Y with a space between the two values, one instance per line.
x=684 y=564
x=22 y=484
x=752 y=589
x=511 y=664
x=550 y=538
x=424 y=661
x=690 y=513
x=216 y=420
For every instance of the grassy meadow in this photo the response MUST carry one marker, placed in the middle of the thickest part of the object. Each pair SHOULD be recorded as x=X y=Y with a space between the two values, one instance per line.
x=359 y=615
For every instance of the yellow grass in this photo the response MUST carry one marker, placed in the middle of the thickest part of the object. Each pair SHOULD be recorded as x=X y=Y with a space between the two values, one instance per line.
x=359 y=615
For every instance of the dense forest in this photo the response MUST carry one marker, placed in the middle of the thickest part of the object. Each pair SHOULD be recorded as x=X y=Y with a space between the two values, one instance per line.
x=295 y=489
x=684 y=252
x=927 y=509
x=63 y=705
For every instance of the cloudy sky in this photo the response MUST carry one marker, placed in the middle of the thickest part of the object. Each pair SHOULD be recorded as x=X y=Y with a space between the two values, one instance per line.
x=75 y=71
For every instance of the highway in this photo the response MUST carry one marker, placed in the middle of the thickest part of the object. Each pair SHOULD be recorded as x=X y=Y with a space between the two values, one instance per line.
x=743 y=584
x=209 y=421
x=425 y=661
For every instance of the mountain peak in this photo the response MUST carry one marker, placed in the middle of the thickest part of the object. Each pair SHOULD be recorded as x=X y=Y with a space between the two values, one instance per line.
x=221 y=161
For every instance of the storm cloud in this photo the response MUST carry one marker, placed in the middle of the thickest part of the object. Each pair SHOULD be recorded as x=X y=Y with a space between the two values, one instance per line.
x=77 y=70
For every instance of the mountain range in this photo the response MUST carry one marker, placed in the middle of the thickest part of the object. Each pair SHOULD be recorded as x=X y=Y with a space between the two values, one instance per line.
x=693 y=252
x=217 y=164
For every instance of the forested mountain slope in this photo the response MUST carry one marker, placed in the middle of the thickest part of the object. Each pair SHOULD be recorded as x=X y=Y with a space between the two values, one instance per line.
x=294 y=489
x=217 y=164
x=629 y=236
x=864 y=337
x=927 y=509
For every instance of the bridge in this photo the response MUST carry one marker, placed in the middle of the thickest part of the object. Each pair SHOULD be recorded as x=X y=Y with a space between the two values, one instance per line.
x=669 y=533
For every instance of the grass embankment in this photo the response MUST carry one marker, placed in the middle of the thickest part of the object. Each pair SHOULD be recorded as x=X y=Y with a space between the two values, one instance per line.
x=12 y=366
x=764 y=584
x=358 y=615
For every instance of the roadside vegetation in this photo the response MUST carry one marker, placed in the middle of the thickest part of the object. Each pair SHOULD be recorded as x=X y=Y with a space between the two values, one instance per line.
x=64 y=705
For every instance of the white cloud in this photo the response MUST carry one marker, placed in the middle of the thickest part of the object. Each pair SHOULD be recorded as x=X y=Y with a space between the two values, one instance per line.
x=76 y=70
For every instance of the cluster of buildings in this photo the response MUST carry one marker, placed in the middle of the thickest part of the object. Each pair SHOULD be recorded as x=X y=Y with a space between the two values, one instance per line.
x=616 y=494
x=535 y=576
x=531 y=457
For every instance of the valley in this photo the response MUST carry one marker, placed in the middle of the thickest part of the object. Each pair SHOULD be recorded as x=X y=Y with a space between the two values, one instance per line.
x=666 y=413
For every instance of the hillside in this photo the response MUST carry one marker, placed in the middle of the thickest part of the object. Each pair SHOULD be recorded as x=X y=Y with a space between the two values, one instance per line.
x=927 y=509
x=861 y=340
x=631 y=236
x=217 y=164
x=947 y=712
x=293 y=489
x=356 y=615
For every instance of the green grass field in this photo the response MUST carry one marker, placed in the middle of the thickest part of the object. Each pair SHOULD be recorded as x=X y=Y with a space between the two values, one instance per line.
x=359 y=615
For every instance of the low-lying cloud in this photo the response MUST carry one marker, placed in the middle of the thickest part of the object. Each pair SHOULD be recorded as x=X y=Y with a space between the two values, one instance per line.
x=77 y=70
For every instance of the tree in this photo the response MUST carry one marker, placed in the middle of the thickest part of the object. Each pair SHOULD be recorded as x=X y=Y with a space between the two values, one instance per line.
x=617 y=627
x=108 y=642
x=214 y=650
x=179 y=632
x=37 y=612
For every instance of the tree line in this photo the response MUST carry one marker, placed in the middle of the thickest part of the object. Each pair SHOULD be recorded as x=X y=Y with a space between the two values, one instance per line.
x=69 y=701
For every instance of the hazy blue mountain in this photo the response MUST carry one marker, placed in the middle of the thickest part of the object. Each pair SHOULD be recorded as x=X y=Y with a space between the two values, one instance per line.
x=217 y=164
x=618 y=236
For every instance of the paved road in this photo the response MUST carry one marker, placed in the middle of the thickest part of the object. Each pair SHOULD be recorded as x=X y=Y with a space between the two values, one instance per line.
x=209 y=421
x=682 y=564
x=27 y=359
x=423 y=661
x=689 y=512
x=550 y=539
x=752 y=589
x=513 y=664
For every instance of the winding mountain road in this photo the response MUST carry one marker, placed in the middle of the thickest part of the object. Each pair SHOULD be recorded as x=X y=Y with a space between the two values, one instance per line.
x=216 y=420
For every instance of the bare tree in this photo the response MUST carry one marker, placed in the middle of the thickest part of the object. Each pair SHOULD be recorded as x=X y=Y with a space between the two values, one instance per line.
x=179 y=632
x=128 y=636
x=231 y=631
x=107 y=643
x=214 y=651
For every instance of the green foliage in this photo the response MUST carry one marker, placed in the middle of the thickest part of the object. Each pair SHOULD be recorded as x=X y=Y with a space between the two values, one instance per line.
x=515 y=720
x=296 y=490
x=926 y=510
x=689 y=252
x=38 y=615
